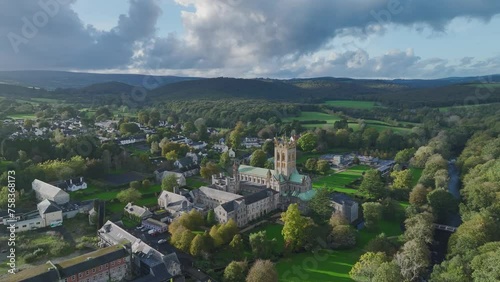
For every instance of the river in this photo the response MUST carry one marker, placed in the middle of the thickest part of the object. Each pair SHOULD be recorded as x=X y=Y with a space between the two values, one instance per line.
x=440 y=246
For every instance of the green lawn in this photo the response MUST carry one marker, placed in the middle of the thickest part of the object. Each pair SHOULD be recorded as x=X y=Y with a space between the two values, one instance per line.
x=330 y=265
x=331 y=119
x=22 y=116
x=416 y=173
x=273 y=231
x=4 y=165
x=337 y=181
x=352 y=104
x=196 y=182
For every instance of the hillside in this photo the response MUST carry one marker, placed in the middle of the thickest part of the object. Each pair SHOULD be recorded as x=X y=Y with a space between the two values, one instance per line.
x=218 y=88
x=60 y=79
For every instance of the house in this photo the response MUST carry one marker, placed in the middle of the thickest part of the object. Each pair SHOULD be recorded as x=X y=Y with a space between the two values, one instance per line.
x=107 y=264
x=180 y=139
x=46 y=191
x=50 y=213
x=198 y=145
x=345 y=206
x=162 y=173
x=231 y=153
x=148 y=263
x=136 y=211
x=252 y=142
x=187 y=166
x=155 y=225
x=174 y=204
x=71 y=185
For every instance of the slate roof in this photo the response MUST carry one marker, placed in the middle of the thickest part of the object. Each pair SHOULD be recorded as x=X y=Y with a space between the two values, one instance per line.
x=46 y=188
x=342 y=199
x=259 y=196
x=47 y=206
x=88 y=261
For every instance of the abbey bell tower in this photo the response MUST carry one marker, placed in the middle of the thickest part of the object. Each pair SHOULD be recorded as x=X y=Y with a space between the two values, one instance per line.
x=285 y=153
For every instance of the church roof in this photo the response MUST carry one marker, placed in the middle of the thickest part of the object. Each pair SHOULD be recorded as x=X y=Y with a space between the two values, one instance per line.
x=296 y=177
x=255 y=171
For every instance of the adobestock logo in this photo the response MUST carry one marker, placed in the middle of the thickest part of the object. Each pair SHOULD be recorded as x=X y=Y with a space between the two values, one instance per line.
x=32 y=25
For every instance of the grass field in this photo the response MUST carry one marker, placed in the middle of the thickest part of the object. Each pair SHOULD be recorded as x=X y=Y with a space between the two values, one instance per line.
x=416 y=173
x=22 y=116
x=196 y=182
x=337 y=181
x=352 y=104
x=353 y=123
x=273 y=231
x=330 y=265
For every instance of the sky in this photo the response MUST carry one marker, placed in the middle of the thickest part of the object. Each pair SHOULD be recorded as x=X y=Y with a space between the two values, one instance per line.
x=258 y=38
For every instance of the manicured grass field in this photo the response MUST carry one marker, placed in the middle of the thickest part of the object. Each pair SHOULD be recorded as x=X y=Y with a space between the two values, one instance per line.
x=416 y=173
x=331 y=119
x=337 y=181
x=196 y=182
x=352 y=104
x=305 y=116
x=330 y=265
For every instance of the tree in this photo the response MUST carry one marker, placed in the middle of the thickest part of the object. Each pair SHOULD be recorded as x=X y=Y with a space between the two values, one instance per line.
x=307 y=142
x=320 y=204
x=388 y=272
x=171 y=155
x=337 y=219
x=128 y=195
x=402 y=179
x=155 y=148
x=197 y=246
x=262 y=271
x=473 y=233
x=311 y=164
x=169 y=182
x=434 y=163
x=258 y=158
x=372 y=184
x=129 y=128
x=237 y=245
x=373 y=214
x=296 y=227
x=443 y=203
x=382 y=244
x=146 y=183
x=224 y=159
x=404 y=155
x=228 y=230
x=413 y=259
x=343 y=236
x=135 y=184
x=185 y=240
x=441 y=179
x=420 y=227
x=214 y=234
x=208 y=170
x=418 y=195
x=262 y=247
x=235 y=271
x=211 y=220
x=421 y=156
x=485 y=266
x=322 y=166
x=268 y=147
x=236 y=135
x=366 y=268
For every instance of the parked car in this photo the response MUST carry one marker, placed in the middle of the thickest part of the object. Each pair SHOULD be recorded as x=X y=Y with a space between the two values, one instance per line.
x=151 y=232
x=139 y=227
x=161 y=241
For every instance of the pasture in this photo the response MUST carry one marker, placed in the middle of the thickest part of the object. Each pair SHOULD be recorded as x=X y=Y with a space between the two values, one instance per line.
x=351 y=104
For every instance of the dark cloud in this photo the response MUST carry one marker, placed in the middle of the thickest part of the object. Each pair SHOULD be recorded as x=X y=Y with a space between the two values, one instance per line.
x=236 y=37
x=53 y=36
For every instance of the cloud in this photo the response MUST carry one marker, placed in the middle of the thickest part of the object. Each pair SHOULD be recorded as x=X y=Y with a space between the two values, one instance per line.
x=49 y=34
x=236 y=37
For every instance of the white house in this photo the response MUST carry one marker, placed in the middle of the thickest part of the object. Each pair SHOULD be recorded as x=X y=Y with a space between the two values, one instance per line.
x=71 y=185
x=161 y=174
x=46 y=191
x=173 y=203
x=141 y=212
